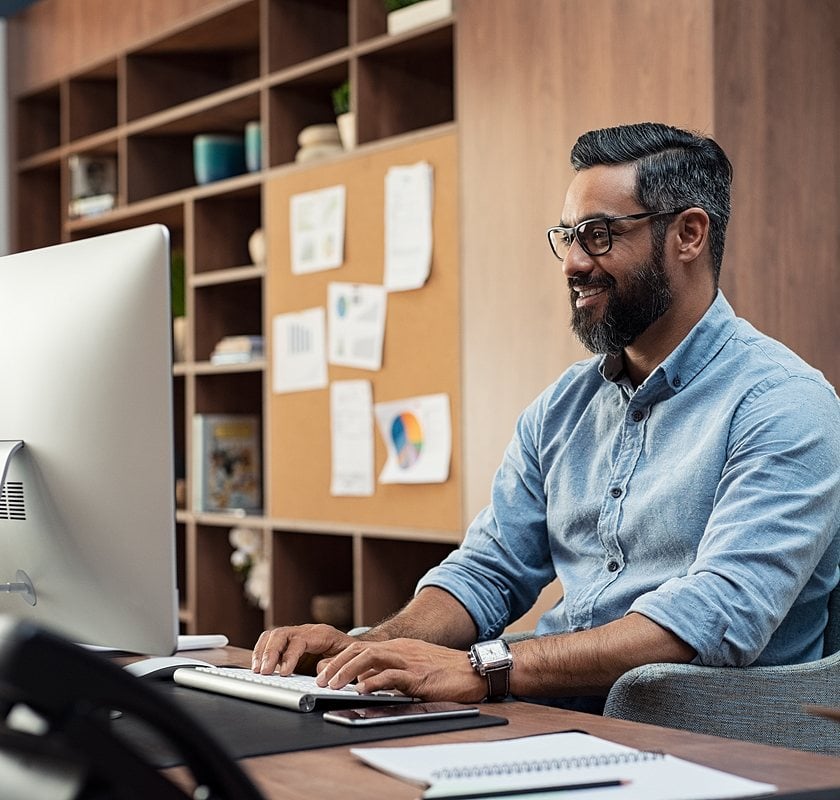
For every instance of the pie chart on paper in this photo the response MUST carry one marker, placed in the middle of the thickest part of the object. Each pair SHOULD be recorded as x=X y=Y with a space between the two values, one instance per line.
x=407 y=437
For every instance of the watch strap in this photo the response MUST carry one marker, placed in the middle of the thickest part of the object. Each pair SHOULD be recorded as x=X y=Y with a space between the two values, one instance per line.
x=498 y=683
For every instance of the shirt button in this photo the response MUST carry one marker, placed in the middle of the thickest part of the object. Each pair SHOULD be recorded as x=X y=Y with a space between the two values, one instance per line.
x=638 y=415
x=677 y=381
x=612 y=566
x=615 y=491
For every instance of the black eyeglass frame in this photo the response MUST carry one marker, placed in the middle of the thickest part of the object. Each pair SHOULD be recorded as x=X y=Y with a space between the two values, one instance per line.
x=572 y=231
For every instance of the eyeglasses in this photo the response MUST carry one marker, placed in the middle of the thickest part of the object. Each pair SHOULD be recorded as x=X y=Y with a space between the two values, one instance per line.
x=595 y=236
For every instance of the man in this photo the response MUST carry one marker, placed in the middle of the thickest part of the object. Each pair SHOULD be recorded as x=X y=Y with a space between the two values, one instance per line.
x=683 y=486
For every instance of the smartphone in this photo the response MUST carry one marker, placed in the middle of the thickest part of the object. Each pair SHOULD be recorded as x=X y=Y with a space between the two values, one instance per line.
x=405 y=712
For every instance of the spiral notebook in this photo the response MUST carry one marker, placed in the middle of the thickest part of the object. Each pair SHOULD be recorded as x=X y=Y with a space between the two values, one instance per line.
x=570 y=764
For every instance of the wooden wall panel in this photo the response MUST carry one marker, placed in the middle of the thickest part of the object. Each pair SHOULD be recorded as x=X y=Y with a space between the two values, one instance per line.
x=777 y=78
x=532 y=76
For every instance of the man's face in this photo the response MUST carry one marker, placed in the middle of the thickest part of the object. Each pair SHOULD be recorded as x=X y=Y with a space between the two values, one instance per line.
x=615 y=296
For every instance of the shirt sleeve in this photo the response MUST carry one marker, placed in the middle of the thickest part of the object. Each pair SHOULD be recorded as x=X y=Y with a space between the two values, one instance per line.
x=504 y=560
x=771 y=539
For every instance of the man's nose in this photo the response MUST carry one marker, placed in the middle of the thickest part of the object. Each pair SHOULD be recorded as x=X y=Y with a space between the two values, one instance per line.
x=577 y=261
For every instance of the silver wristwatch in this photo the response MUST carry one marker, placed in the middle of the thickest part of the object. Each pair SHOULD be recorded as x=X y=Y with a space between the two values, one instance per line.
x=494 y=661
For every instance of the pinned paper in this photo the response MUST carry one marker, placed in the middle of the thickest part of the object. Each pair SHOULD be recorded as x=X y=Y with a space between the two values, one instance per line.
x=409 y=199
x=418 y=437
x=299 y=351
x=356 y=314
x=316 y=222
x=351 y=425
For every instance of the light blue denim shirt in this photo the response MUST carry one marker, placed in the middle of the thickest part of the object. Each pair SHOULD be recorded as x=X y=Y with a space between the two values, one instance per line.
x=708 y=500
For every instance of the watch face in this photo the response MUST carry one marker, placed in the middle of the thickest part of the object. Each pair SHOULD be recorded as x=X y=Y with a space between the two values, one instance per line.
x=492 y=651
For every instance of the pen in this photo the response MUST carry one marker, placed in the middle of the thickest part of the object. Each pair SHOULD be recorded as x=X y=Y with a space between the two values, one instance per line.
x=563 y=787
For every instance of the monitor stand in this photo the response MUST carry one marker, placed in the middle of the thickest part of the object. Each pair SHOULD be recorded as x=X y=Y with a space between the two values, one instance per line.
x=22 y=584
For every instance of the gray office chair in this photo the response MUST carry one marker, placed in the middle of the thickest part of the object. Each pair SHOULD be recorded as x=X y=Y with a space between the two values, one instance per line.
x=759 y=704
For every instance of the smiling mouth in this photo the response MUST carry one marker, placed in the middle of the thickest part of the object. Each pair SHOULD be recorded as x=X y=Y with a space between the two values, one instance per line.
x=589 y=291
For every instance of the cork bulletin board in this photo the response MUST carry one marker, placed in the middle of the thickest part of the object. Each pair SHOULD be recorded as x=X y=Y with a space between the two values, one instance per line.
x=421 y=352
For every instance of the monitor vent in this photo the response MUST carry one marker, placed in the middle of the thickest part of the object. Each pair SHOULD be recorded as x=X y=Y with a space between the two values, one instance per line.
x=11 y=501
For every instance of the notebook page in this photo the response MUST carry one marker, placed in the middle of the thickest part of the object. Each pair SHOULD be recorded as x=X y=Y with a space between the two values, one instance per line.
x=418 y=764
x=551 y=760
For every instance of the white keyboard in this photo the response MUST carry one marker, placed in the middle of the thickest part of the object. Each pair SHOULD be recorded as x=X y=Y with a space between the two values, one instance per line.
x=296 y=692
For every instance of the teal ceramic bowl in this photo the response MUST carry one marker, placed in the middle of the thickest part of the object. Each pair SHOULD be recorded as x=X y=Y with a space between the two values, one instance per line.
x=217 y=156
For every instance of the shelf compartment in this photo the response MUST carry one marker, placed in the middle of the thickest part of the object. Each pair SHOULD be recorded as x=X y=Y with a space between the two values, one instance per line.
x=406 y=86
x=228 y=393
x=205 y=58
x=38 y=207
x=220 y=603
x=170 y=215
x=227 y=309
x=299 y=102
x=39 y=122
x=160 y=159
x=92 y=105
x=305 y=29
x=305 y=565
x=223 y=225
x=389 y=571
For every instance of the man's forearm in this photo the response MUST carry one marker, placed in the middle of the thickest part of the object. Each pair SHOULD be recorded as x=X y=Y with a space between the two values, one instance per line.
x=589 y=662
x=433 y=616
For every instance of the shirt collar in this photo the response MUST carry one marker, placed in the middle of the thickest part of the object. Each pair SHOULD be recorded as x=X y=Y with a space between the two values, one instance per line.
x=692 y=354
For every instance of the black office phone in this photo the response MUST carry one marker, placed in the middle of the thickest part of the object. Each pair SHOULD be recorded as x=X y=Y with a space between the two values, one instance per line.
x=56 y=702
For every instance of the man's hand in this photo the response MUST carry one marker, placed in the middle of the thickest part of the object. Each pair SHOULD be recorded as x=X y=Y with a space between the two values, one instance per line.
x=411 y=666
x=286 y=646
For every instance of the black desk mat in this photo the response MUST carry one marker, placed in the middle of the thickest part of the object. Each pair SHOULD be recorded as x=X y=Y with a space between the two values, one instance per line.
x=245 y=729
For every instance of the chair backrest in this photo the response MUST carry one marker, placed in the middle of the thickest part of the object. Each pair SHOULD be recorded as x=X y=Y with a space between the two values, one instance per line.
x=832 y=628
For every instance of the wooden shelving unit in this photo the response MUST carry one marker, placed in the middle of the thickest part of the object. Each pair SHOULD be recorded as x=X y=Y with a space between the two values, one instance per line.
x=276 y=61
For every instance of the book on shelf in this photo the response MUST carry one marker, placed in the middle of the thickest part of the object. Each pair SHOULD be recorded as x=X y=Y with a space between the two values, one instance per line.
x=92 y=175
x=227 y=472
x=237 y=350
x=574 y=763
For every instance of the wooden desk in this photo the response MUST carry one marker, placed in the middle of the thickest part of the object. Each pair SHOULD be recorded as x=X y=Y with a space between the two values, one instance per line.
x=336 y=773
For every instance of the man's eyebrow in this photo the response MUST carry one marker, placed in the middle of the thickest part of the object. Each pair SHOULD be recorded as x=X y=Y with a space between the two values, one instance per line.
x=587 y=218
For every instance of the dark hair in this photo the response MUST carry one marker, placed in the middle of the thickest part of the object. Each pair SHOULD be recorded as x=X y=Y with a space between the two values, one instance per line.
x=674 y=169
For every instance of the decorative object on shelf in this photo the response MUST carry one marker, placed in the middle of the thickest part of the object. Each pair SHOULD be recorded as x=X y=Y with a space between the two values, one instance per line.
x=344 y=117
x=253 y=146
x=227 y=473
x=256 y=246
x=334 y=609
x=237 y=350
x=178 y=302
x=248 y=560
x=318 y=141
x=217 y=156
x=404 y=15
x=93 y=185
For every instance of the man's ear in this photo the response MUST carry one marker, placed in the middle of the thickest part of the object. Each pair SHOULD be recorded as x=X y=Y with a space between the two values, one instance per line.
x=692 y=228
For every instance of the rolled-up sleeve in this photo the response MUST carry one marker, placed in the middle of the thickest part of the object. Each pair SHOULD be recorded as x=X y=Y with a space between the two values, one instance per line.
x=504 y=560
x=771 y=539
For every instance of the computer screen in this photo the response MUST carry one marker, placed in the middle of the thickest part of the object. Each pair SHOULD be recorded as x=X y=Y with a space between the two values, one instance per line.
x=87 y=509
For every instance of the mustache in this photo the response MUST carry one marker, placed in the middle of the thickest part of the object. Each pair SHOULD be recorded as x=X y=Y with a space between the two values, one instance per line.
x=582 y=281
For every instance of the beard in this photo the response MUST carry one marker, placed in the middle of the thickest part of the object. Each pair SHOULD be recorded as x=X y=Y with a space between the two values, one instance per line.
x=644 y=296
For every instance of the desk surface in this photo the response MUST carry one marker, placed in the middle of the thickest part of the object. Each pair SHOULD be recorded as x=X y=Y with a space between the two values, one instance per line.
x=334 y=772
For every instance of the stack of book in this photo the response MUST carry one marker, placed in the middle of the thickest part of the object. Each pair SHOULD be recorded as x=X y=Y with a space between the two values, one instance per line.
x=237 y=350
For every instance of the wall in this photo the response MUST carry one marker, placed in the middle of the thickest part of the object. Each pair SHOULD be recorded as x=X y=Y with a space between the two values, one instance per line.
x=532 y=78
x=4 y=146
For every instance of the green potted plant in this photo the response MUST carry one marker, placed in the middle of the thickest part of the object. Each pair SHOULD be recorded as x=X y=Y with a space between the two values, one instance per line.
x=344 y=117
x=404 y=15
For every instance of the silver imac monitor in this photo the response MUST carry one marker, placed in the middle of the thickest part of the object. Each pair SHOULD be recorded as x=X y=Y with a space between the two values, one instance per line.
x=87 y=509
